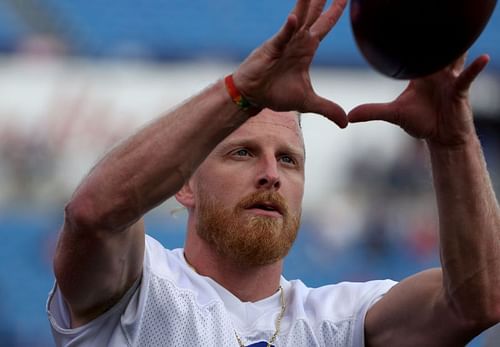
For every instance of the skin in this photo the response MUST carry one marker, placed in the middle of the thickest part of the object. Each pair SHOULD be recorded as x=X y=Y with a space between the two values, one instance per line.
x=462 y=293
x=251 y=159
x=101 y=245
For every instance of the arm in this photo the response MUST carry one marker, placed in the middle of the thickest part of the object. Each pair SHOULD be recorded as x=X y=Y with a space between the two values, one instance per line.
x=101 y=246
x=445 y=307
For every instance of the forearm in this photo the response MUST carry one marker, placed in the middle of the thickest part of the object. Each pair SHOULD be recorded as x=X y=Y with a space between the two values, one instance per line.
x=153 y=164
x=469 y=219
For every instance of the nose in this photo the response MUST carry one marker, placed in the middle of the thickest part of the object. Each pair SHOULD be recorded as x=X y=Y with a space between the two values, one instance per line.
x=269 y=177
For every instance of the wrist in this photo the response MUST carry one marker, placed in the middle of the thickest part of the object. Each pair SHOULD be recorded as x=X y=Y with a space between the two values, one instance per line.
x=452 y=146
x=449 y=156
x=238 y=98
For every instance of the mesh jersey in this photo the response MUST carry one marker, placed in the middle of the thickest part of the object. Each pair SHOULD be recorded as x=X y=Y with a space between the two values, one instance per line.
x=171 y=305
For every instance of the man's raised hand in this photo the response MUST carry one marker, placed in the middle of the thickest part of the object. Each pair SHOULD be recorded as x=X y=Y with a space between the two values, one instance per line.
x=276 y=75
x=435 y=108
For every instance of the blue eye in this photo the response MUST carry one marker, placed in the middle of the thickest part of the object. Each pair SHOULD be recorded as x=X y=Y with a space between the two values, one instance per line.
x=287 y=159
x=242 y=152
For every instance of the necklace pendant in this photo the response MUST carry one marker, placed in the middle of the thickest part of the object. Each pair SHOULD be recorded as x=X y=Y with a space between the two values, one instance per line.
x=260 y=344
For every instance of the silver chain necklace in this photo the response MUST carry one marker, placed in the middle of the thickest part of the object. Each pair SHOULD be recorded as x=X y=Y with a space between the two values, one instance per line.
x=278 y=321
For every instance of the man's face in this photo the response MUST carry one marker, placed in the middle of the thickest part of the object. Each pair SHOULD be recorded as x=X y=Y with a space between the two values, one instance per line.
x=248 y=192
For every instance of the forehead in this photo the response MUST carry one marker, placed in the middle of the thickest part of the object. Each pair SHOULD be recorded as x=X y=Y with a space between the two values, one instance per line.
x=271 y=124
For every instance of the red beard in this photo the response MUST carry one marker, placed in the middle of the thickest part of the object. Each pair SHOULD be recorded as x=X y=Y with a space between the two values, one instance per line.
x=248 y=240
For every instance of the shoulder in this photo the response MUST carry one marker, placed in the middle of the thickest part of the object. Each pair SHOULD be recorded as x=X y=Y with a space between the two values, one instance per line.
x=338 y=301
x=333 y=312
x=167 y=272
x=161 y=261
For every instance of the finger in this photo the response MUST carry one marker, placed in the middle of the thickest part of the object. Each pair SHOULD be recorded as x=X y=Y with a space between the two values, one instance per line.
x=327 y=21
x=370 y=112
x=301 y=10
x=327 y=108
x=315 y=10
x=465 y=79
x=281 y=39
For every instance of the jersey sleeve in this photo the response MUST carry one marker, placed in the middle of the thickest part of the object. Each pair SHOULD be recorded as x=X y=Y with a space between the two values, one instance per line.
x=105 y=330
x=377 y=289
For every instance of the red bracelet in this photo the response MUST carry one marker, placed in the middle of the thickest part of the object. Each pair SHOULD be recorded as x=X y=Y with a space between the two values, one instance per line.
x=234 y=93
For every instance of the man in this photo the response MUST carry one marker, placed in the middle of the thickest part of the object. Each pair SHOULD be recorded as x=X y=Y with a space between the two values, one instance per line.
x=234 y=157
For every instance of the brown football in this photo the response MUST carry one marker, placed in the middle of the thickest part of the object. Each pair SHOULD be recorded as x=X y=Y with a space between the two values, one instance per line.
x=407 y=39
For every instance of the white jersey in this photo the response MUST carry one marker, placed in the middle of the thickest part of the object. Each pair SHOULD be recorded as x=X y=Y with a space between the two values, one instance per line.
x=172 y=305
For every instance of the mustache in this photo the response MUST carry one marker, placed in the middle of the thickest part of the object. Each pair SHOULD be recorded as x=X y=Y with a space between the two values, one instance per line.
x=274 y=198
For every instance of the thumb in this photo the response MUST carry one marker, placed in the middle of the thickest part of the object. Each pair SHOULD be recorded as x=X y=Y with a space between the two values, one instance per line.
x=369 y=112
x=327 y=108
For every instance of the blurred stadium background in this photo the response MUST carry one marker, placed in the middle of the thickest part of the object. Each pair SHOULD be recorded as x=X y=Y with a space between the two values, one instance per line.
x=77 y=76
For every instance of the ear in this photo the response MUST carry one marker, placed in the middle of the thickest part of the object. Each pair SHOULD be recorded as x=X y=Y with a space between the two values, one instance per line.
x=185 y=195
